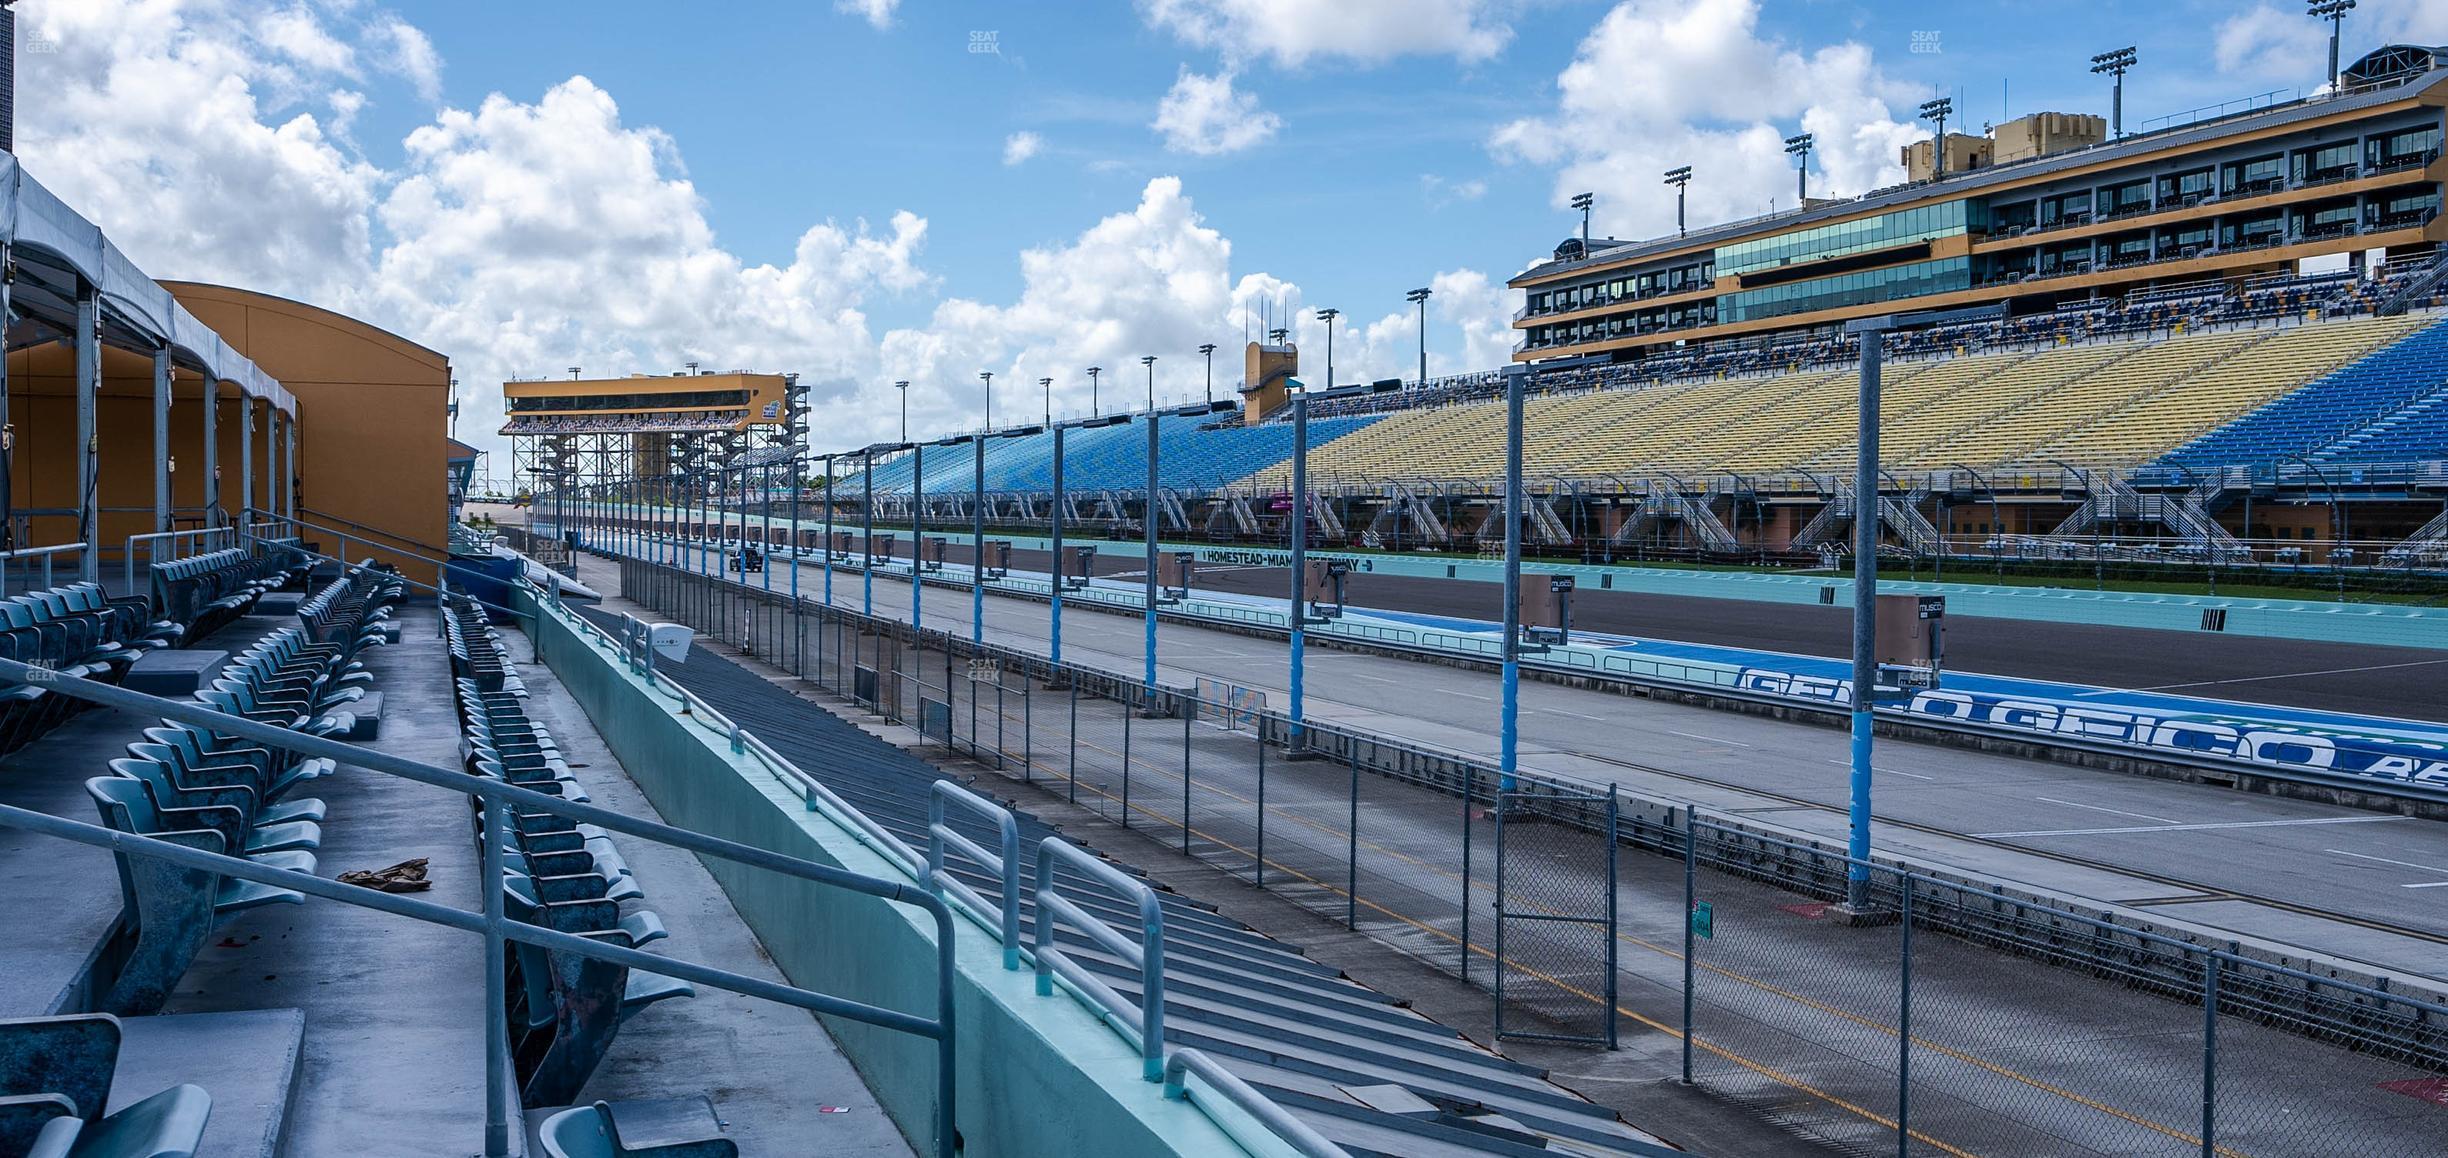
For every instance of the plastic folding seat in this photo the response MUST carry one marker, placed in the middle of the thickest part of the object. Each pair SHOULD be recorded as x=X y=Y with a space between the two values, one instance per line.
x=55 y=1084
x=263 y=806
x=196 y=751
x=240 y=701
x=227 y=810
x=173 y=910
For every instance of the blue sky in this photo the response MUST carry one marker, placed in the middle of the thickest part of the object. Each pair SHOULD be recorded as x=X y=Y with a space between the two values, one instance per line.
x=623 y=185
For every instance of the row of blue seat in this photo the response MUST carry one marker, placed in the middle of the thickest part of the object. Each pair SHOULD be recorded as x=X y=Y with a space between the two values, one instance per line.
x=1191 y=452
x=76 y=631
x=2322 y=418
x=208 y=591
x=56 y=1075
x=209 y=789
x=564 y=1009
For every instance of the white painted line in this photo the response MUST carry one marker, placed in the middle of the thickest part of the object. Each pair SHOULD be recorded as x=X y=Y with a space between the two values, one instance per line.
x=2194 y=827
x=1710 y=739
x=1361 y=675
x=2429 y=868
x=2279 y=676
x=2427 y=885
x=2112 y=811
x=1451 y=692
x=1575 y=715
x=1883 y=771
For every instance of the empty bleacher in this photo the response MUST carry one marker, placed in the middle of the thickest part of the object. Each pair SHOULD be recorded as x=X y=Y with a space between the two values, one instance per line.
x=2332 y=407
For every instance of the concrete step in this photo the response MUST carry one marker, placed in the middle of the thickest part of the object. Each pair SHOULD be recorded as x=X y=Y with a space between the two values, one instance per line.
x=247 y=1060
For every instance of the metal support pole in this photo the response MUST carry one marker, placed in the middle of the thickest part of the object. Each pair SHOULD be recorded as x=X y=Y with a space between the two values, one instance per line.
x=1509 y=713
x=161 y=439
x=827 y=554
x=1865 y=617
x=765 y=528
x=1904 y=1031
x=1691 y=905
x=246 y=455
x=2209 y=1086
x=1470 y=791
x=1151 y=517
x=917 y=536
x=1351 y=847
x=977 y=547
x=212 y=450
x=88 y=390
x=497 y=1009
x=1300 y=558
x=1054 y=600
x=293 y=476
x=867 y=542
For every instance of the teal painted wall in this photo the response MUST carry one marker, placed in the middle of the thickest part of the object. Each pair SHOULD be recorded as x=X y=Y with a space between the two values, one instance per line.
x=1037 y=1076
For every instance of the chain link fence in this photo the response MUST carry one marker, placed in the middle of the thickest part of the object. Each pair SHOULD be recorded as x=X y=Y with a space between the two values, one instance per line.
x=1943 y=1016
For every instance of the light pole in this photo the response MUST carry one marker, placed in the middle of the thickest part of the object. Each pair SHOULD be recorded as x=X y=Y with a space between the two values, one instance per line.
x=1300 y=558
x=2116 y=62
x=1798 y=146
x=903 y=387
x=1047 y=384
x=1508 y=718
x=1679 y=177
x=828 y=531
x=1093 y=410
x=987 y=377
x=2333 y=11
x=1582 y=202
x=1938 y=111
x=1419 y=297
x=1207 y=351
x=917 y=531
x=1150 y=516
x=1328 y=316
x=1872 y=334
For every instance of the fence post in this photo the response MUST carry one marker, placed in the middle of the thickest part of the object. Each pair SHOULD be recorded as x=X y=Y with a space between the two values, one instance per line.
x=2209 y=1095
x=1612 y=1041
x=1129 y=709
x=1351 y=895
x=1074 y=741
x=1904 y=911
x=1191 y=710
x=1258 y=870
x=1470 y=789
x=1691 y=904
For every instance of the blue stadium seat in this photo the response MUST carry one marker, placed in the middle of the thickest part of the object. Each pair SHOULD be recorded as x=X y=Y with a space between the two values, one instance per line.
x=56 y=1075
x=2333 y=408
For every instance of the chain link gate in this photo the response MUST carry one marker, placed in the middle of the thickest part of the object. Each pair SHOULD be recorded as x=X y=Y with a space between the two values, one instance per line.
x=1555 y=917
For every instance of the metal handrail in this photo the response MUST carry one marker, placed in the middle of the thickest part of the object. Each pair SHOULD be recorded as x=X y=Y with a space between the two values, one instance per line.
x=153 y=547
x=1005 y=864
x=497 y=795
x=1147 y=955
x=1305 y=1140
x=46 y=554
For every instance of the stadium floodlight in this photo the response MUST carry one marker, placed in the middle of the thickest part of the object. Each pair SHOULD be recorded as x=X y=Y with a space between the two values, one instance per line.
x=573 y=373
x=987 y=376
x=2333 y=11
x=1419 y=297
x=1938 y=111
x=1149 y=361
x=1328 y=316
x=1207 y=350
x=1679 y=177
x=1093 y=371
x=1582 y=202
x=1277 y=336
x=1798 y=146
x=2115 y=63
x=903 y=387
x=1047 y=384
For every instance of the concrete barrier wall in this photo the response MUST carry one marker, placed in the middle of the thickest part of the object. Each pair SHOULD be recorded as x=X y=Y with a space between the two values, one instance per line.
x=1037 y=1075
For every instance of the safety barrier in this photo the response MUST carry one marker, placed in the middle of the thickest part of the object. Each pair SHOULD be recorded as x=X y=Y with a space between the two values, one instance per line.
x=1147 y=955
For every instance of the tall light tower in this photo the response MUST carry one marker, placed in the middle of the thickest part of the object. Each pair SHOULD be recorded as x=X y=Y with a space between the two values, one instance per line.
x=1150 y=518
x=903 y=387
x=1149 y=361
x=1207 y=351
x=1047 y=384
x=1419 y=297
x=2115 y=63
x=1093 y=371
x=1938 y=111
x=1582 y=202
x=1798 y=146
x=1679 y=176
x=2333 y=11
x=987 y=376
x=1328 y=316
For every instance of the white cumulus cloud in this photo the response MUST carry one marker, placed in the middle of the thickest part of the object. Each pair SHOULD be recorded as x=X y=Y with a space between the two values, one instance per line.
x=1020 y=146
x=1206 y=116
x=1658 y=84
x=878 y=13
x=2282 y=45
x=1293 y=32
